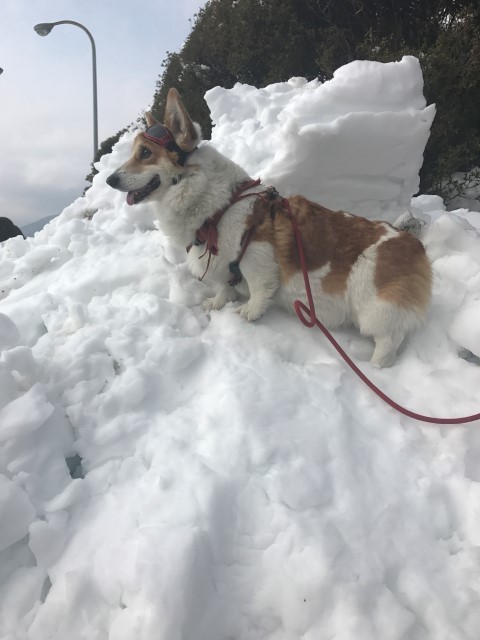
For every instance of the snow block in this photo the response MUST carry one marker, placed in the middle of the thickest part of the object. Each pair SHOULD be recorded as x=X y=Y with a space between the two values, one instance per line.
x=16 y=513
x=355 y=142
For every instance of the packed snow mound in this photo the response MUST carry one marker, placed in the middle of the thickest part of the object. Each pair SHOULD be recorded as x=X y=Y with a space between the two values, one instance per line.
x=168 y=475
x=354 y=143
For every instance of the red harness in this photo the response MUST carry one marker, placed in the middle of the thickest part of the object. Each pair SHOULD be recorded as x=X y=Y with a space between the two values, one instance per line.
x=208 y=232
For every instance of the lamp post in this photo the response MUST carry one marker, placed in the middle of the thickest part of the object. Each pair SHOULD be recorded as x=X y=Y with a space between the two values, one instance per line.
x=43 y=29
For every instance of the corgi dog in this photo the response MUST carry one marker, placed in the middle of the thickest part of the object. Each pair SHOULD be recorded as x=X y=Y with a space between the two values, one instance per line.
x=362 y=272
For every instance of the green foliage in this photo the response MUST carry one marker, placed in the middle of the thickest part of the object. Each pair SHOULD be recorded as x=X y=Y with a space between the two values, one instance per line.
x=451 y=71
x=452 y=81
x=250 y=41
x=265 y=41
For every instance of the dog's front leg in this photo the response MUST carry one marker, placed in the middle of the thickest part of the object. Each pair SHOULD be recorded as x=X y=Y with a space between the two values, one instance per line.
x=261 y=273
x=225 y=294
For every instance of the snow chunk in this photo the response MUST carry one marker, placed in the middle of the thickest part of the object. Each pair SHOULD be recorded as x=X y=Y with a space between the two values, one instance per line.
x=355 y=142
x=25 y=414
x=16 y=513
x=465 y=328
x=9 y=335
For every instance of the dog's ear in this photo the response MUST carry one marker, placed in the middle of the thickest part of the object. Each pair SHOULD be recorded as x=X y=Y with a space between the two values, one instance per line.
x=180 y=123
x=150 y=119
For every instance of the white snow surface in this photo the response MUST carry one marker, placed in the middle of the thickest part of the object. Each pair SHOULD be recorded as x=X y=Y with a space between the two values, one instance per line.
x=227 y=480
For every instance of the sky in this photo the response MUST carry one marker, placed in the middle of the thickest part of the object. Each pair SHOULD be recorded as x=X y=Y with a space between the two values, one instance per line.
x=46 y=128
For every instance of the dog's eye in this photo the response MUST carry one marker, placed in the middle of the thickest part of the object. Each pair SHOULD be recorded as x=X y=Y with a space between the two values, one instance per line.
x=145 y=153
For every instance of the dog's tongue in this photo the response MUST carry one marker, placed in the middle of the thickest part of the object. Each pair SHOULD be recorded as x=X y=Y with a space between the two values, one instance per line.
x=131 y=197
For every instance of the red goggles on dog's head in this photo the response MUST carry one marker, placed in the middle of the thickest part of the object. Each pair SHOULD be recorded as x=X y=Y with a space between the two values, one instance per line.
x=159 y=134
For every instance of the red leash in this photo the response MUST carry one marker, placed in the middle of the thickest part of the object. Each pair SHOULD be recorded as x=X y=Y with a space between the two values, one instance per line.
x=310 y=319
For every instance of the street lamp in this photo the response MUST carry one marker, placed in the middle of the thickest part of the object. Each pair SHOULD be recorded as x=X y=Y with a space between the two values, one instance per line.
x=43 y=29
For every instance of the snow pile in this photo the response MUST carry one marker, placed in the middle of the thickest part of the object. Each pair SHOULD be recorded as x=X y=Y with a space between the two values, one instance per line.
x=35 y=440
x=364 y=131
x=172 y=476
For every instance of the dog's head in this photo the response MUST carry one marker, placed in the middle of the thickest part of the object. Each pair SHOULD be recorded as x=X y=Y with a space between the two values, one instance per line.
x=159 y=153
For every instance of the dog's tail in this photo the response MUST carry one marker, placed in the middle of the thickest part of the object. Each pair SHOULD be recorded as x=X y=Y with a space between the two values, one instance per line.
x=407 y=222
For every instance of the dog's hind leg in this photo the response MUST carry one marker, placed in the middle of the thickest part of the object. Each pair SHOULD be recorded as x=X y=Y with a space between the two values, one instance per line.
x=387 y=324
x=386 y=350
x=261 y=273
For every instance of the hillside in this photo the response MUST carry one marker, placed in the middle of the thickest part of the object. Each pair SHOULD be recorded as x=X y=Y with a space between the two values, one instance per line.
x=31 y=229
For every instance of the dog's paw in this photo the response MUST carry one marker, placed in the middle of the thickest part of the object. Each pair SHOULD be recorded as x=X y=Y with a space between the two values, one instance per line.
x=250 y=311
x=214 y=304
x=383 y=362
x=226 y=294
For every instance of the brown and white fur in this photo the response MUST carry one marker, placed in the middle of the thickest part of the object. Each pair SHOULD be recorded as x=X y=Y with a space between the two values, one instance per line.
x=362 y=272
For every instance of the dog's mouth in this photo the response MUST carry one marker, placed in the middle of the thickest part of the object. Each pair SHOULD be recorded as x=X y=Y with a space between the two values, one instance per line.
x=134 y=197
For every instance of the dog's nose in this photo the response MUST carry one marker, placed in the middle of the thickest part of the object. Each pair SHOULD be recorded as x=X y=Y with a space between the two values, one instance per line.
x=112 y=180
